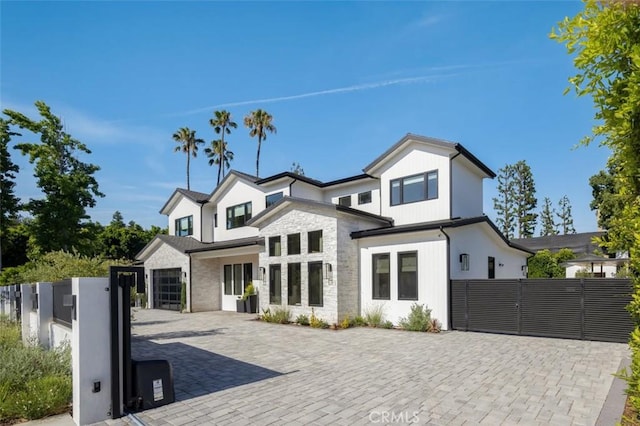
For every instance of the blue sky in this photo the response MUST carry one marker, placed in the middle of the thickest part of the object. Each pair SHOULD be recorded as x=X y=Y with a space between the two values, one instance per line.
x=343 y=81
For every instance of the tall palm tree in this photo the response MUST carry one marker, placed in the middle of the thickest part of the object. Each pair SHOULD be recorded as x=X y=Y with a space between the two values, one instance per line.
x=188 y=144
x=259 y=123
x=222 y=124
x=218 y=153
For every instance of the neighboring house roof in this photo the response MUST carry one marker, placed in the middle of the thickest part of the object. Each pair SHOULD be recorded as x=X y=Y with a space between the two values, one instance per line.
x=285 y=201
x=578 y=243
x=437 y=224
x=195 y=196
x=409 y=137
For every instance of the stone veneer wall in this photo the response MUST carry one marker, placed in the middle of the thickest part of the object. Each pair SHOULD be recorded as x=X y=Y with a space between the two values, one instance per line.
x=165 y=257
x=348 y=267
x=205 y=285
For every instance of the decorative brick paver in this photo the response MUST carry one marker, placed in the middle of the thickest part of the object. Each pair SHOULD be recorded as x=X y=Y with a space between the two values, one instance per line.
x=230 y=369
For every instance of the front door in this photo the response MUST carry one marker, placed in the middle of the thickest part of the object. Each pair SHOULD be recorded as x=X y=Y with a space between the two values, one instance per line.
x=235 y=278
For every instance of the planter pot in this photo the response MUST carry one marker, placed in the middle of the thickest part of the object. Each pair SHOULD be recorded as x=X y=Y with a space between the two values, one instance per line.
x=251 y=304
x=240 y=306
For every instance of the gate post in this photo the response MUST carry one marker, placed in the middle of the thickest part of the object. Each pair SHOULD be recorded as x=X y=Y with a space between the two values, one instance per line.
x=45 y=312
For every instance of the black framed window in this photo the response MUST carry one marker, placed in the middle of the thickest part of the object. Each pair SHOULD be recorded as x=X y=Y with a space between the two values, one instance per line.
x=275 y=276
x=315 y=283
x=315 y=241
x=238 y=215
x=275 y=246
x=364 y=197
x=408 y=276
x=247 y=273
x=184 y=226
x=381 y=276
x=491 y=264
x=271 y=199
x=294 y=282
x=345 y=201
x=215 y=220
x=410 y=189
x=237 y=279
x=293 y=244
x=228 y=280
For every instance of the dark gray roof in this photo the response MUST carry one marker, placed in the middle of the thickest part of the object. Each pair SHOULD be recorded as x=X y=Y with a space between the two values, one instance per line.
x=314 y=182
x=221 y=245
x=578 y=243
x=191 y=245
x=195 y=196
x=437 y=224
x=434 y=141
x=182 y=244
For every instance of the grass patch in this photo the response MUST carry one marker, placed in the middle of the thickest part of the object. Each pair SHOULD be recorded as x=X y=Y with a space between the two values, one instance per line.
x=34 y=383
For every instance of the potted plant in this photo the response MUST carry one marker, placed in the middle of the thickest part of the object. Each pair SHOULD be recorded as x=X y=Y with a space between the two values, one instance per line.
x=240 y=305
x=250 y=299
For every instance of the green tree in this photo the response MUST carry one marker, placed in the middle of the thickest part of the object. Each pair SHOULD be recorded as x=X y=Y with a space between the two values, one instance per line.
x=565 y=216
x=218 y=153
x=9 y=203
x=604 y=39
x=259 y=123
x=68 y=184
x=605 y=202
x=547 y=222
x=504 y=203
x=188 y=144
x=222 y=124
x=545 y=264
x=120 y=241
x=525 y=200
x=297 y=169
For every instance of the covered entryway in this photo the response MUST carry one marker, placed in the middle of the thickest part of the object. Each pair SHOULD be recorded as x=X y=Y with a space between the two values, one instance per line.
x=585 y=309
x=167 y=285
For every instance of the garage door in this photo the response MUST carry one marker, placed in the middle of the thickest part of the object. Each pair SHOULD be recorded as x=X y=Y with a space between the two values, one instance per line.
x=167 y=284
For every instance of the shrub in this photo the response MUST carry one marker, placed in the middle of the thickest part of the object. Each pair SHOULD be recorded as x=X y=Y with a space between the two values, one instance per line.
x=302 y=319
x=374 y=315
x=419 y=319
x=248 y=291
x=358 y=321
x=316 y=322
x=183 y=296
x=279 y=315
x=346 y=322
x=387 y=324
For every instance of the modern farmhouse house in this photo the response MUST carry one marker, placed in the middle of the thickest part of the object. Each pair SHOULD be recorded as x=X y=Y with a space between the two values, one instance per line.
x=394 y=235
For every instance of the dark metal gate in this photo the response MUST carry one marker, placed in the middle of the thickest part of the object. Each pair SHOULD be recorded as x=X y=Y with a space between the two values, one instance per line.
x=585 y=309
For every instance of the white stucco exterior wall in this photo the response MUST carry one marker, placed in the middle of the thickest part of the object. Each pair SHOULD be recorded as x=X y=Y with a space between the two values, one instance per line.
x=333 y=194
x=304 y=190
x=466 y=190
x=431 y=247
x=186 y=207
x=239 y=192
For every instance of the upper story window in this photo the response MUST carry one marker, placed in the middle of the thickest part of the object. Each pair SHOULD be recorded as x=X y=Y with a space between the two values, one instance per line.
x=238 y=215
x=315 y=241
x=271 y=199
x=293 y=244
x=414 y=188
x=364 y=197
x=345 y=201
x=184 y=226
x=275 y=247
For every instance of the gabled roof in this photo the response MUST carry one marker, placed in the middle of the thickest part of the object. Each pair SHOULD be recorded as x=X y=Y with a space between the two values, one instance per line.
x=285 y=201
x=232 y=175
x=578 y=243
x=182 y=244
x=433 y=225
x=311 y=181
x=453 y=146
x=196 y=197
x=221 y=245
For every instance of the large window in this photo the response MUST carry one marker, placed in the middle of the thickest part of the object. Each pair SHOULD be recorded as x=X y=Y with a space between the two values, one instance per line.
x=414 y=188
x=167 y=286
x=275 y=294
x=293 y=244
x=228 y=279
x=236 y=277
x=381 y=276
x=275 y=247
x=345 y=201
x=238 y=215
x=364 y=197
x=408 y=276
x=184 y=226
x=271 y=199
x=315 y=241
x=293 y=284
x=315 y=283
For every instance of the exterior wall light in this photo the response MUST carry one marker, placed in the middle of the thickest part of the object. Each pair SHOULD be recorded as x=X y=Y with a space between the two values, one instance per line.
x=464 y=262
x=261 y=273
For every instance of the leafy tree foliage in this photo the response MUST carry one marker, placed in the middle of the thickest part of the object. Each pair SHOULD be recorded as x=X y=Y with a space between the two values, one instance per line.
x=68 y=184
x=547 y=219
x=120 y=241
x=604 y=39
x=222 y=125
x=219 y=154
x=605 y=202
x=545 y=264
x=259 y=123
x=565 y=216
x=525 y=200
x=297 y=169
x=9 y=203
x=189 y=145
x=504 y=203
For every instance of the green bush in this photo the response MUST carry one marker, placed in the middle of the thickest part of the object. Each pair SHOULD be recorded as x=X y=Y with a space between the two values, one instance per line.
x=358 y=321
x=316 y=322
x=347 y=322
x=279 y=315
x=387 y=324
x=374 y=315
x=33 y=382
x=248 y=291
x=419 y=319
x=302 y=319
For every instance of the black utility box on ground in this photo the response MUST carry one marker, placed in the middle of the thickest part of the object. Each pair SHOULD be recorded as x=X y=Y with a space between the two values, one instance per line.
x=153 y=383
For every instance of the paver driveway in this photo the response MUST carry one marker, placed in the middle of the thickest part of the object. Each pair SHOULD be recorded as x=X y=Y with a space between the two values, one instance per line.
x=230 y=369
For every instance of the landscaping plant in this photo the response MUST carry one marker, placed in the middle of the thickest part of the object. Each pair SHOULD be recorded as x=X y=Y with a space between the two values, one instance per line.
x=419 y=319
x=374 y=315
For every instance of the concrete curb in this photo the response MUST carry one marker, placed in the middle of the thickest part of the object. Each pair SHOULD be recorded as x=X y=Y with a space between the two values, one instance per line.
x=613 y=407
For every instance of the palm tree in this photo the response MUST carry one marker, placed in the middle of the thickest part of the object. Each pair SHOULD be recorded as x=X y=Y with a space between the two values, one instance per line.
x=188 y=144
x=222 y=124
x=259 y=123
x=219 y=154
